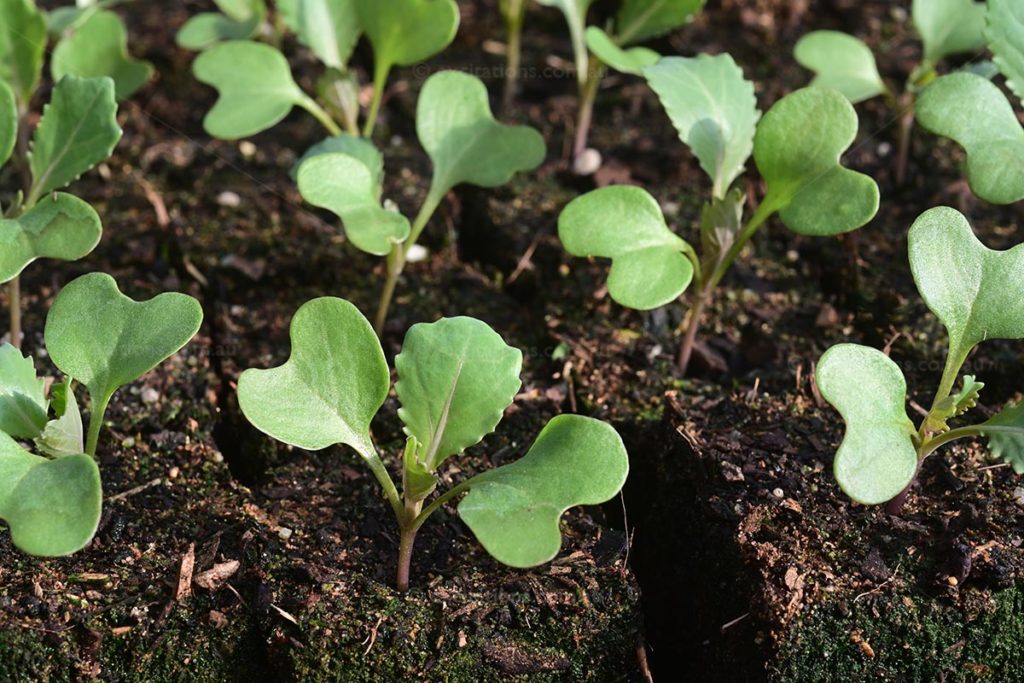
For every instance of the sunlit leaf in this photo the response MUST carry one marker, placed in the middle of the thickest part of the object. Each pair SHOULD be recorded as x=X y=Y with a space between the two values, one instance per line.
x=842 y=62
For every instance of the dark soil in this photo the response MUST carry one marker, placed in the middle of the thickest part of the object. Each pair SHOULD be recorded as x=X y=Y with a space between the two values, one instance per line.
x=735 y=557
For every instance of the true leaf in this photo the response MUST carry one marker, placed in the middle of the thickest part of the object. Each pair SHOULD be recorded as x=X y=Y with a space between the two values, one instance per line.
x=65 y=435
x=1005 y=34
x=842 y=62
x=627 y=60
x=640 y=20
x=22 y=45
x=77 y=131
x=332 y=385
x=327 y=27
x=1005 y=432
x=975 y=291
x=252 y=99
x=23 y=403
x=99 y=47
x=52 y=506
x=973 y=111
x=464 y=142
x=877 y=458
x=206 y=29
x=418 y=480
x=63 y=228
x=954 y=405
x=514 y=510
x=404 y=32
x=625 y=224
x=949 y=27
x=8 y=122
x=105 y=340
x=348 y=187
x=456 y=376
x=714 y=109
x=797 y=148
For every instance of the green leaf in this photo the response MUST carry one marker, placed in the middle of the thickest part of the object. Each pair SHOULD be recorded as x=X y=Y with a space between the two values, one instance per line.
x=105 y=340
x=242 y=10
x=329 y=389
x=640 y=20
x=456 y=376
x=714 y=109
x=975 y=291
x=877 y=458
x=954 y=405
x=721 y=221
x=514 y=510
x=77 y=131
x=205 y=30
x=949 y=27
x=22 y=46
x=974 y=112
x=99 y=47
x=575 y=12
x=65 y=435
x=1005 y=432
x=52 y=506
x=418 y=481
x=8 y=122
x=327 y=27
x=405 y=32
x=464 y=142
x=63 y=228
x=252 y=99
x=23 y=403
x=842 y=62
x=358 y=148
x=347 y=186
x=625 y=224
x=797 y=148
x=627 y=60
x=1005 y=34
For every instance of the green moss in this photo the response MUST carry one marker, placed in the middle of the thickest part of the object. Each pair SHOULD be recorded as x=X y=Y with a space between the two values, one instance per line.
x=924 y=640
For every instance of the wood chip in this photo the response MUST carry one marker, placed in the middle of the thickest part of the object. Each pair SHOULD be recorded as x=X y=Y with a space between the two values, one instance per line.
x=188 y=563
x=214 y=578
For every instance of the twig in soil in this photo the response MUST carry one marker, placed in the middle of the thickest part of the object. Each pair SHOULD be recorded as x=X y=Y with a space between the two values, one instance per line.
x=138 y=489
x=625 y=525
x=372 y=638
x=570 y=385
x=188 y=563
x=729 y=624
x=641 y=661
x=163 y=218
x=881 y=585
x=526 y=261
x=993 y=467
x=818 y=400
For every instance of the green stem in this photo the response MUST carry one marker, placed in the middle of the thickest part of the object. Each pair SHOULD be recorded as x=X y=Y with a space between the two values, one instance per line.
x=318 y=112
x=763 y=213
x=513 y=51
x=14 y=301
x=692 y=327
x=588 y=96
x=99 y=409
x=405 y=544
x=444 y=498
x=384 y=479
x=399 y=254
x=380 y=79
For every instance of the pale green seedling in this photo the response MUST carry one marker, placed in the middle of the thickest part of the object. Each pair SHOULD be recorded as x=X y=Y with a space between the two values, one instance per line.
x=465 y=145
x=51 y=502
x=1005 y=35
x=99 y=47
x=237 y=20
x=976 y=293
x=840 y=61
x=797 y=147
x=456 y=377
x=78 y=130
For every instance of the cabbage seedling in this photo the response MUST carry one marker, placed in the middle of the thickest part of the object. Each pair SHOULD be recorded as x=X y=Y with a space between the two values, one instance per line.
x=78 y=130
x=401 y=32
x=465 y=145
x=974 y=291
x=51 y=502
x=456 y=377
x=843 y=62
x=637 y=21
x=797 y=147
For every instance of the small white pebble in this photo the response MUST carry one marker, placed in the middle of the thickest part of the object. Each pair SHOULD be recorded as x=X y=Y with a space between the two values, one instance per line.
x=247 y=149
x=150 y=395
x=792 y=255
x=217 y=457
x=587 y=163
x=778 y=493
x=1018 y=495
x=417 y=252
x=884 y=148
x=173 y=473
x=285 y=533
x=128 y=443
x=229 y=199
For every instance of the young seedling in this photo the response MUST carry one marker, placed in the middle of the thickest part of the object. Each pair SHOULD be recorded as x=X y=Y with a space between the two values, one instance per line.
x=51 y=502
x=797 y=147
x=456 y=377
x=465 y=145
x=78 y=130
x=975 y=292
x=841 y=61
x=637 y=21
x=513 y=12
x=401 y=32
